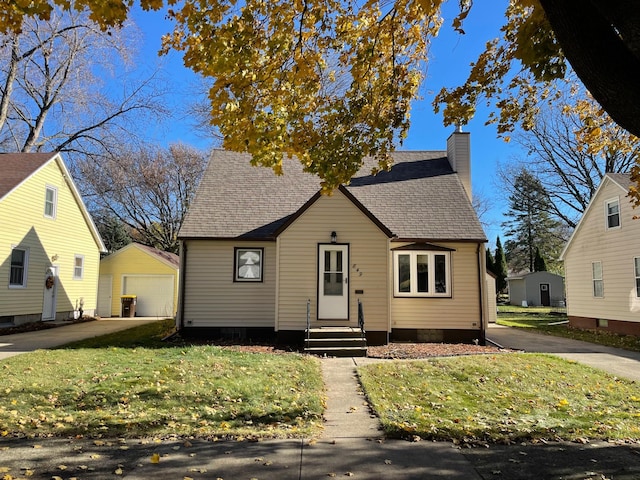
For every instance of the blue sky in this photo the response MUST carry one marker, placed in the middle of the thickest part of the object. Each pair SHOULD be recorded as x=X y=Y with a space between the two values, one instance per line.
x=450 y=54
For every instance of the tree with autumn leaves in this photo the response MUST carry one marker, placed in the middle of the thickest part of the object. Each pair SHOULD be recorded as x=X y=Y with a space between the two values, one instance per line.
x=331 y=82
x=569 y=157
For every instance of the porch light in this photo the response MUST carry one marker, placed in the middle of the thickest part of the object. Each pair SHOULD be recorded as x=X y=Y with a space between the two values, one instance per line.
x=334 y=237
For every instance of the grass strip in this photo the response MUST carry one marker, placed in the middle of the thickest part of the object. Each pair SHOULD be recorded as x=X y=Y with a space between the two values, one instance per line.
x=501 y=399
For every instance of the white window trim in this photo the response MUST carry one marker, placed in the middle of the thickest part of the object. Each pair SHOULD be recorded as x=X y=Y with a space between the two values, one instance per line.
x=54 y=201
x=594 y=280
x=414 y=274
x=608 y=202
x=81 y=276
x=25 y=268
x=636 y=271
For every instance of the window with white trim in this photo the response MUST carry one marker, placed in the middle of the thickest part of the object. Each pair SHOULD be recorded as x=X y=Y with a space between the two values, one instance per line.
x=636 y=262
x=50 y=202
x=421 y=273
x=18 y=269
x=78 y=267
x=612 y=211
x=598 y=283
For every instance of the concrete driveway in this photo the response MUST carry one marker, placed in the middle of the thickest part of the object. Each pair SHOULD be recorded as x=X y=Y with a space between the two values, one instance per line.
x=18 y=343
x=613 y=360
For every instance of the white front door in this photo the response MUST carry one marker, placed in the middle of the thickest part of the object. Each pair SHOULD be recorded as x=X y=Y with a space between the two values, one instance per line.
x=50 y=293
x=333 y=282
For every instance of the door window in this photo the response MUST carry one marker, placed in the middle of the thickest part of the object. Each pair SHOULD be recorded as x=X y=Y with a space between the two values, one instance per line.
x=333 y=275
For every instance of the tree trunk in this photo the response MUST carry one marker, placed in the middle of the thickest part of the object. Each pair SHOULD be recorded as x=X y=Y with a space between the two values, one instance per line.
x=602 y=54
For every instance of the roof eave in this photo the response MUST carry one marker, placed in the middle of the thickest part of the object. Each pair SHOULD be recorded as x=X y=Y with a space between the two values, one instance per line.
x=440 y=240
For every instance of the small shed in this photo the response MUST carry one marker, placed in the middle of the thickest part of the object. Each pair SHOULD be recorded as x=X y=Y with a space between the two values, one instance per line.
x=148 y=273
x=544 y=289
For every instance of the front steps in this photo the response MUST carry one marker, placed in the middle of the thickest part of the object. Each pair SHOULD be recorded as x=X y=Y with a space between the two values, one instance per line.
x=336 y=342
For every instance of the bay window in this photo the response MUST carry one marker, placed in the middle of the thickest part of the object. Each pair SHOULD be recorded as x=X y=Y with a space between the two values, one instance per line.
x=422 y=273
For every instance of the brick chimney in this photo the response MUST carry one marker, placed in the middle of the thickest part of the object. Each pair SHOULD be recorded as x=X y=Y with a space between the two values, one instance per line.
x=459 y=156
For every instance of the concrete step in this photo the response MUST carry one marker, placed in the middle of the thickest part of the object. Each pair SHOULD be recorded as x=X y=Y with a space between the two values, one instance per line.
x=337 y=342
x=337 y=351
x=335 y=332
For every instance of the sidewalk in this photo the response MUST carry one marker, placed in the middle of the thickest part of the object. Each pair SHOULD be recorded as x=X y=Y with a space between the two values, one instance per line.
x=351 y=445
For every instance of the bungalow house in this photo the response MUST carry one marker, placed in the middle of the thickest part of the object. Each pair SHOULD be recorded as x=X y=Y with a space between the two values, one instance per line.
x=262 y=253
x=49 y=246
x=146 y=272
x=602 y=262
x=542 y=289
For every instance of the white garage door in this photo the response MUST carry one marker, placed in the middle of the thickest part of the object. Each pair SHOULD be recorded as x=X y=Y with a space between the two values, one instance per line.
x=155 y=294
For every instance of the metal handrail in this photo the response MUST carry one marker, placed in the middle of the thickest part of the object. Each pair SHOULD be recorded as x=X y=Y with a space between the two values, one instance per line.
x=361 y=319
x=308 y=322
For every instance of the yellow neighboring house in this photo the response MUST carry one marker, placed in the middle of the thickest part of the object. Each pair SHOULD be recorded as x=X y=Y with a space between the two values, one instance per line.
x=148 y=273
x=49 y=246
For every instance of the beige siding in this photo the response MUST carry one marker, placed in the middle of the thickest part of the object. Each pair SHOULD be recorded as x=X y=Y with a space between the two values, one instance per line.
x=616 y=249
x=49 y=241
x=213 y=299
x=133 y=261
x=461 y=311
x=298 y=269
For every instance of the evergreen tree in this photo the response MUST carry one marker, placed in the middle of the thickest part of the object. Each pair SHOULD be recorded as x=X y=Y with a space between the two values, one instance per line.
x=113 y=232
x=491 y=264
x=539 y=265
x=530 y=224
x=500 y=267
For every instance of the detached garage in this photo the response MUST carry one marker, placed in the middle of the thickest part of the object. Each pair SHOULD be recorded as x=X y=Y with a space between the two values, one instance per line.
x=148 y=273
x=544 y=289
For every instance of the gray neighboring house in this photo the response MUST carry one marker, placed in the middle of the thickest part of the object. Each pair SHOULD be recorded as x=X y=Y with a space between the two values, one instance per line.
x=537 y=289
x=259 y=251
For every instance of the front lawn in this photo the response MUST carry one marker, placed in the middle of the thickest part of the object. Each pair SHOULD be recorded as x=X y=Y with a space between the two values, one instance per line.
x=501 y=398
x=202 y=391
x=545 y=320
x=131 y=384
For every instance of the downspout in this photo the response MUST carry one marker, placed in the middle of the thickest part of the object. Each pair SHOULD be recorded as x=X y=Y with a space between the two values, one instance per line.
x=389 y=290
x=183 y=268
x=276 y=320
x=481 y=291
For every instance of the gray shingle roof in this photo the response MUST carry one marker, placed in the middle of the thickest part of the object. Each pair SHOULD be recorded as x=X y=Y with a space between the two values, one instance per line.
x=421 y=198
